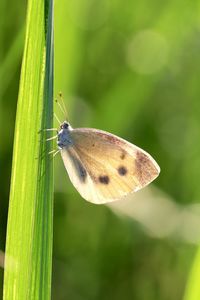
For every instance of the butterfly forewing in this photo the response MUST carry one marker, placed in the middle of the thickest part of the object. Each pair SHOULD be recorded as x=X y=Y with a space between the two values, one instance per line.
x=104 y=167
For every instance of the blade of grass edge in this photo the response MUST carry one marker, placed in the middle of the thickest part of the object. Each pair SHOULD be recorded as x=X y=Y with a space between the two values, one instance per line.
x=192 y=291
x=28 y=262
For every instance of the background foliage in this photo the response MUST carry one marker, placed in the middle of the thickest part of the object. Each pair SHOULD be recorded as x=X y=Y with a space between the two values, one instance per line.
x=131 y=68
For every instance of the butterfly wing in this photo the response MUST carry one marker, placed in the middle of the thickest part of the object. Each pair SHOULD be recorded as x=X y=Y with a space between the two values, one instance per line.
x=104 y=167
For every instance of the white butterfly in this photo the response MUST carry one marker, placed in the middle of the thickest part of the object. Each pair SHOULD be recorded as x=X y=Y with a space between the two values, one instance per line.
x=102 y=166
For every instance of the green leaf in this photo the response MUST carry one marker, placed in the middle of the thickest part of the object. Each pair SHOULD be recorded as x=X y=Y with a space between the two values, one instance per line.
x=28 y=261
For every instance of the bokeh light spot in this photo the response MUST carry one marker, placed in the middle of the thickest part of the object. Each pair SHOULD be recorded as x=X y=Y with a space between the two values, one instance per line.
x=147 y=52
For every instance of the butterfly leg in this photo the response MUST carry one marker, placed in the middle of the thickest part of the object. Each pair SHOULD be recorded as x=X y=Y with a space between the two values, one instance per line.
x=52 y=138
x=54 y=152
x=48 y=129
x=51 y=129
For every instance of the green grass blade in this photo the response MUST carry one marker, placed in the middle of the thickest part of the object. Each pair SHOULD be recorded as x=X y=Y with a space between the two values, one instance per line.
x=29 y=233
x=192 y=289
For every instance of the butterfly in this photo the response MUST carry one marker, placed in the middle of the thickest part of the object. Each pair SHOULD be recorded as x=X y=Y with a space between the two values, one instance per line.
x=102 y=166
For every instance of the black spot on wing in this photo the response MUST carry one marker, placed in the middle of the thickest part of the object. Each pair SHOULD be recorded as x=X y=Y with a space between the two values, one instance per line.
x=104 y=179
x=80 y=170
x=123 y=155
x=122 y=171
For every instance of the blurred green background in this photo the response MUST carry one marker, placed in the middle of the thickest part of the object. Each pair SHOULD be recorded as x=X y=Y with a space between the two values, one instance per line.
x=131 y=68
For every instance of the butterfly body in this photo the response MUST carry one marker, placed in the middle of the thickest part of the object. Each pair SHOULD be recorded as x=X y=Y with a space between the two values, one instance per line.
x=64 y=138
x=102 y=166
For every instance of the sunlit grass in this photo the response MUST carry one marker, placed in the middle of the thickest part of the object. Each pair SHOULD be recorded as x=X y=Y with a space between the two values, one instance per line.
x=192 y=291
x=29 y=233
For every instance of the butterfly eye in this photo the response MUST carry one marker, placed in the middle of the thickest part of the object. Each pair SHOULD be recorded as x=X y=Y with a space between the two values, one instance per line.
x=64 y=125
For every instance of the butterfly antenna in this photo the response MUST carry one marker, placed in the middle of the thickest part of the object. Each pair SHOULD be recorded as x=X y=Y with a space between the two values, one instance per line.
x=63 y=105
x=61 y=108
x=57 y=119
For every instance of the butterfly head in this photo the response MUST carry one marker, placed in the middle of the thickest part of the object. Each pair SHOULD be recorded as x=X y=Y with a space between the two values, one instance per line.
x=64 y=125
x=64 y=137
